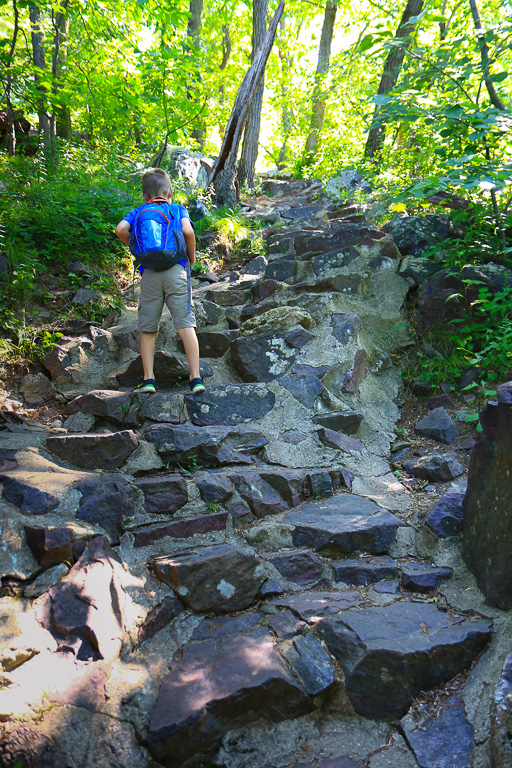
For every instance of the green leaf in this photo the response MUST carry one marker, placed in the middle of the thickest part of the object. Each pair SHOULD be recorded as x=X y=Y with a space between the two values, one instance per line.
x=381 y=99
x=499 y=78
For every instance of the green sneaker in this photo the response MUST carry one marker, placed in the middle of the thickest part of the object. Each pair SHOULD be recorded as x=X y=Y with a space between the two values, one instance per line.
x=197 y=386
x=148 y=385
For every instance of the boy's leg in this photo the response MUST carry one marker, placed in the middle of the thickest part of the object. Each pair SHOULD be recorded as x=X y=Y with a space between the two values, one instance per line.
x=189 y=339
x=147 y=353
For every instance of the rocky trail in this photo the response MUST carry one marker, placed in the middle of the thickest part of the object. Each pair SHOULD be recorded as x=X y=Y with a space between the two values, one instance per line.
x=239 y=578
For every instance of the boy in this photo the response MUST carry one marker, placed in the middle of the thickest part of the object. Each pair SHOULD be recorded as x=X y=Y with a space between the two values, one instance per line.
x=170 y=285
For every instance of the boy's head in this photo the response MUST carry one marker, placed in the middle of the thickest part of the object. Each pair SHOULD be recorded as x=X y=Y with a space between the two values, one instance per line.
x=155 y=183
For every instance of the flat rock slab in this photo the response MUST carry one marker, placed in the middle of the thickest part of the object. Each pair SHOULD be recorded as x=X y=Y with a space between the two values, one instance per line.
x=338 y=440
x=185 y=443
x=439 y=425
x=391 y=653
x=344 y=524
x=215 y=343
x=447 y=516
x=100 y=451
x=422 y=577
x=364 y=570
x=170 y=370
x=221 y=578
x=222 y=626
x=286 y=625
x=217 y=685
x=87 y=603
x=306 y=388
x=345 y=326
x=34 y=493
x=180 y=529
x=159 y=617
x=301 y=566
x=443 y=740
x=230 y=405
x=312 y=606
x=106 y=500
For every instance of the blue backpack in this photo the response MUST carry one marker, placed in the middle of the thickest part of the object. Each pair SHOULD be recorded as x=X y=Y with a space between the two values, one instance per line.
x=157 y=240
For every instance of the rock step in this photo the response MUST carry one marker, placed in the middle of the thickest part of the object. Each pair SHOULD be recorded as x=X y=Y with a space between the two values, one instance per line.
x=235 y=670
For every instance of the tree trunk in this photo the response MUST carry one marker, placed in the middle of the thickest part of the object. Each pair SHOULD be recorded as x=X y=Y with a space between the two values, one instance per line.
x=194 y=34
x=223 y=175
x=286 y=62
x=324 y=58
x=64 y=127
x=11 y=121
x=484 y=55
x=226 y=53
x=38 y=59
x=390 y=73
x=59 y=26
x=252 y=127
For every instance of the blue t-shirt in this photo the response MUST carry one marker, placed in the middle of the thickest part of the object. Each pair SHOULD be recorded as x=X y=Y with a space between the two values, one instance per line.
x=178 y=213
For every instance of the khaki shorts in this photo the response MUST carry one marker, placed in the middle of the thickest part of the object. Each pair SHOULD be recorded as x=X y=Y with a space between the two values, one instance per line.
x=170 y=286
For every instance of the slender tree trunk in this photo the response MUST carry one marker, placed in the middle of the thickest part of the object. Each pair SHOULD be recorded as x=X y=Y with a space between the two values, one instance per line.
x=324 y=58
x=38 y=59
x=390 y=74
x=64 y=127
x=11 y=120
x=286 y=63
x=59 y=26
x=224 y=174
x=484 y=55
x=226 y=53
x=249 y=154
x=194 y=34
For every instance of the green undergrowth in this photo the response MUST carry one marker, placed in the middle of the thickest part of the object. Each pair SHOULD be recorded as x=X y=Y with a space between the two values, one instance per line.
x=481 y=336
x=54 y=215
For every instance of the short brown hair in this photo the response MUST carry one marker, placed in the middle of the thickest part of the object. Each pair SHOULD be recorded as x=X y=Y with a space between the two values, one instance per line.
x=155 y=183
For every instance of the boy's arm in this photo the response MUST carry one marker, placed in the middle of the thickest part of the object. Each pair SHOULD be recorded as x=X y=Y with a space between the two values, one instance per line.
x=190 y=240
x=123 y=231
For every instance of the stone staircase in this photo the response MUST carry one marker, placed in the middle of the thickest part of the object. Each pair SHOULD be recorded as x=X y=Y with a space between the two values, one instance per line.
x=231 y=578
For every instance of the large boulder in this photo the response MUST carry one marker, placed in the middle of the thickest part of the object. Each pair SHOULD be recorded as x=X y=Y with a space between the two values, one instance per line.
x=449 y=294
x=487 y=527
x=190 y=168
x=349 y=181
x=216 y=685
x=413 y=234
x=391 y=653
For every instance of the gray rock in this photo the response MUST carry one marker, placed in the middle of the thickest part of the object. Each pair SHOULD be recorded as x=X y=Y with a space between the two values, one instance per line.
x=237 y=679
x=183 y=528
x=386 y=652
x=159 y=617
x=26 y=491
x=94 y=451
x=305 y=388
x=413 y=234
x=418 y=269
x=230 y=404
x=446 y=517
x=438 y=425
x=338 y=440
x=421 y=577
x=215 y=488
x=344 y=524
x=442 y=740
x=215 y=343
x=222 y=626
x=189 y=168
x=438 y=467
x=281 y=269
x=37 y=389
x=347 y=181
x=45 y=581
x=262 y=358
x=79 y=423
x=106 y=500
x=345 y=326
x=285 y=624
x=487 y=530
x=49 y=545
x=320 y=483
x=311 y=606
x=95 y=580
x=122 y=409
x=501 y=718
x=292 y=436
x=340 y=421
x=79 y=268
x=255 y=266
x=364 y=570
x=313 y=666
x=333 y=260
x=220 y=578
x=163 y=494
x=184 y=443
x=25 y=744
x=301 y=566
x=170 y=371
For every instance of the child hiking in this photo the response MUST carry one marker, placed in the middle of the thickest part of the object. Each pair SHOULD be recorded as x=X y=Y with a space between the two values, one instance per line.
x=161 y=237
